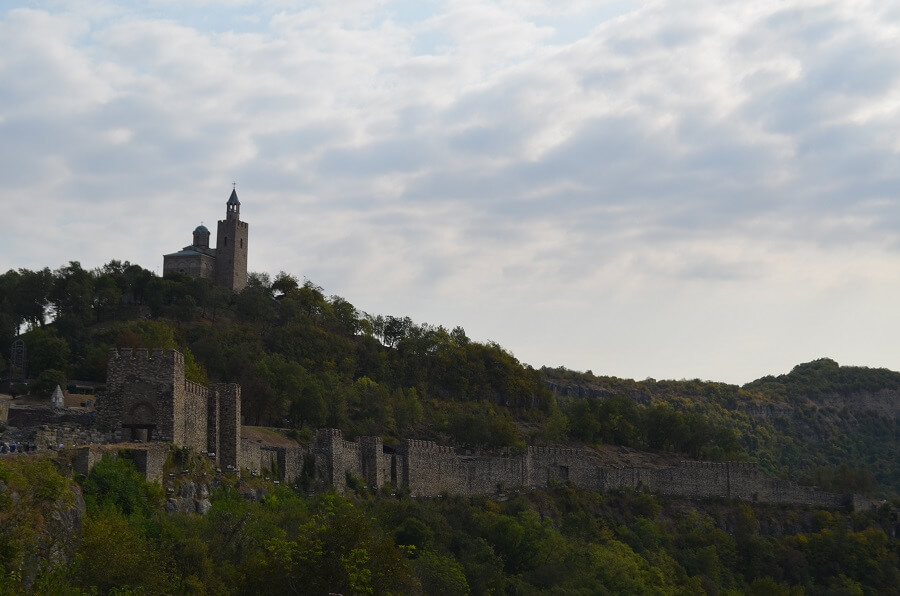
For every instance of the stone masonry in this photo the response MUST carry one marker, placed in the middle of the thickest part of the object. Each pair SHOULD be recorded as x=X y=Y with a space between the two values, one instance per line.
x=147 y=398
x=226 y=264
x=426 y=469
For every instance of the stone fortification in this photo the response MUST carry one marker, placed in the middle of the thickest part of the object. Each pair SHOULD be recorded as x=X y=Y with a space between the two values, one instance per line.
x=148 y=459
x=425 y=468
x=147 y=398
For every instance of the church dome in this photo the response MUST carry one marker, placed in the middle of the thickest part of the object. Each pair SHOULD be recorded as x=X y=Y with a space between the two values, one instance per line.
x=201 y=229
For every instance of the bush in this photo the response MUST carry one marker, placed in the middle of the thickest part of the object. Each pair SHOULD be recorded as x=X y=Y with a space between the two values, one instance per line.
x=115 y=483
x=47 y=381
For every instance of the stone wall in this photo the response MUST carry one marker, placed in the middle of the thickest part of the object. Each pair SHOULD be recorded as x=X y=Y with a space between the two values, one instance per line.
x=195 y=418
x=143 y=389
x=256 y=457
x=425 y=468
x=52 y=435
x=24 y=416
x=229 y=447
x=148 y=459
x=147 y=397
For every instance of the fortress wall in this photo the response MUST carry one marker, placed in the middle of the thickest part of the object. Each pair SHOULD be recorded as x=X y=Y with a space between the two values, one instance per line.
x=782 y=491
x=136 y=376
x=326 y=442
x=349 y=460
x=148 y=459
x=546 y=465
x=251 y=455
x=628 y=478
x=489 y=475
x=149 y=462
x=84 y=460
x=213 y=405
x=30 y=416
x=290 y=463
x=430 y=469
x=371 y=451
x=52 y=435
x=744 y=479
x=283 y=463
x=229 y=448
x=195 y=417
x=694 y=480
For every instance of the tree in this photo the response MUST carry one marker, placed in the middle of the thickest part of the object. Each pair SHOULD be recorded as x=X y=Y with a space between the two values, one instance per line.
x=32 y=295
x=115 y=554
x=284 y=284
x=47 y=381
x=46 y=350
x=441 y=575
x=115 y=483
x=73 y=293
x=107 y=294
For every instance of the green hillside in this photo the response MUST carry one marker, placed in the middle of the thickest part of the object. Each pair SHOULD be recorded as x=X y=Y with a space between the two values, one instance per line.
x=305 y=360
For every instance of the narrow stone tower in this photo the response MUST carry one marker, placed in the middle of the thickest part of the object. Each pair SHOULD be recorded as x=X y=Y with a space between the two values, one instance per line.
x=231 y=247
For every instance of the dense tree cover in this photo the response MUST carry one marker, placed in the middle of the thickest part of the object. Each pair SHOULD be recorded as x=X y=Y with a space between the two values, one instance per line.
x=825 y=376
x=786 y=424
x=621 y=421
x=559 y=540
x=305 y=360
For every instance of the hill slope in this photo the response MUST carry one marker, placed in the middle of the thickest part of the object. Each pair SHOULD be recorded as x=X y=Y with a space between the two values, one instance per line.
x=306 y=360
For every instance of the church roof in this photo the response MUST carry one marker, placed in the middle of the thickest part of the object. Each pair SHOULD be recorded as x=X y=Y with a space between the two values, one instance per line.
x=233 y=200
x=183 y=253
x=201 y=228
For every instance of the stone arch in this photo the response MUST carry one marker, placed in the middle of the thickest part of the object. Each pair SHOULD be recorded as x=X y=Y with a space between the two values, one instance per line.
x=140 y=422
x=141 y=413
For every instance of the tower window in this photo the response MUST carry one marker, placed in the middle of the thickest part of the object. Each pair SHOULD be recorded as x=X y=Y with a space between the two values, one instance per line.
x=242 y=243
x=226 y=240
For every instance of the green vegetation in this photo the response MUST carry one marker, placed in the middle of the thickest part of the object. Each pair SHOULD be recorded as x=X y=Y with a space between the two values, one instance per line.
x=547 y=541
x=305 y=360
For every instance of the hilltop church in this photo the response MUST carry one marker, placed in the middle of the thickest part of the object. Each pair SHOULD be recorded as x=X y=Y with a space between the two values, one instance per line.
x=226 y=265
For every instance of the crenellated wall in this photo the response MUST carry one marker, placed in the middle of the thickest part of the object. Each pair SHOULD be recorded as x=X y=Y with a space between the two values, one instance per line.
x=148 y=399
x=425 y=468
x=144 y=391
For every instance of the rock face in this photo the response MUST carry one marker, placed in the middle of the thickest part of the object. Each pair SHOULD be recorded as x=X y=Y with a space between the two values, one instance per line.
x=188 y=496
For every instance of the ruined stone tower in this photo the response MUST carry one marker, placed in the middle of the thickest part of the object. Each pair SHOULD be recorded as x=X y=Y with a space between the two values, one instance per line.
x=231 y=247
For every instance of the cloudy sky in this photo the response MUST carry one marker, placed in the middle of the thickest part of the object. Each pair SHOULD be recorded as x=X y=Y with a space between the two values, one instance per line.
x=695 y=188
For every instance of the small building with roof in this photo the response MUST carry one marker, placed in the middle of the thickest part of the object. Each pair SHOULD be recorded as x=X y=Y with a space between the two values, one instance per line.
x=226 y=264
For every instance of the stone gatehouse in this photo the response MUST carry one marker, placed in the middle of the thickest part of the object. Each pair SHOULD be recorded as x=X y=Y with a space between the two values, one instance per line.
x=147 y=398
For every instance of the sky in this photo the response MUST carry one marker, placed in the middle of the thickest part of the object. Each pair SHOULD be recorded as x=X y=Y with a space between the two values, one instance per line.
x=687 y=189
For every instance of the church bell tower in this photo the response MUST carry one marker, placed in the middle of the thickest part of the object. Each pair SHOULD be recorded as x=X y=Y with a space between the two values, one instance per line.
x=231 y=247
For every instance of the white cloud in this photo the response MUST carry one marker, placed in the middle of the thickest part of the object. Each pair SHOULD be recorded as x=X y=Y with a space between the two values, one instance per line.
x=665 y=189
